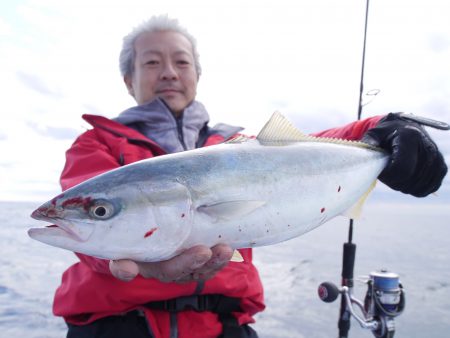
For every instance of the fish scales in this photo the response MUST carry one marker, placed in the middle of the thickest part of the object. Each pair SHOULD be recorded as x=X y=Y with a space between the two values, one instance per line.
x=245 y=193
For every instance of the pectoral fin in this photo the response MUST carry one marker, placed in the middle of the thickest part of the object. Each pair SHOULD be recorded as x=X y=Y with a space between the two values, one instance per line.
x=230 y=210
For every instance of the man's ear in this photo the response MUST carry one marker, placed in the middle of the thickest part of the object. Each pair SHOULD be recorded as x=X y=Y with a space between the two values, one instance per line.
x=129 y=83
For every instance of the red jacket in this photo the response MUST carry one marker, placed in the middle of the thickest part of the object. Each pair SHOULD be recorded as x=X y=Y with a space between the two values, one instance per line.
x=88 y=290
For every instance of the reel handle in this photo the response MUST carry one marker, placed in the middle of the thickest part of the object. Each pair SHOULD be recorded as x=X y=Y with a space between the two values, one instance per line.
x=328 y=292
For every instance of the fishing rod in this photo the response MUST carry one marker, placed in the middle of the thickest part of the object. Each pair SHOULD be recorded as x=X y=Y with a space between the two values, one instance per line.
x=363 y=63
x=349 y=248
x=385 y=297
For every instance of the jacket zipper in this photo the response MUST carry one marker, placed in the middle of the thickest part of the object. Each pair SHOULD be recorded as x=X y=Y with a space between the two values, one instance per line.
x=180 y=131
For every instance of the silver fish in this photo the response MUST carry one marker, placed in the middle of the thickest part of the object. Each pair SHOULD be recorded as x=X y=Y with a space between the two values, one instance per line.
x=247 y=192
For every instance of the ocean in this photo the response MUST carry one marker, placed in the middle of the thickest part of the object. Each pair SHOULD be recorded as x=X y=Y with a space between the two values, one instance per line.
x=412 y=240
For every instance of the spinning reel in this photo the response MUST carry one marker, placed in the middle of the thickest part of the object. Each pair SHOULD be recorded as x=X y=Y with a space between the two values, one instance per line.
x=384 y=300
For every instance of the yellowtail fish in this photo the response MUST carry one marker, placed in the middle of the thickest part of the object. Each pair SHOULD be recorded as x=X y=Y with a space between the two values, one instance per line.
x=247 y=192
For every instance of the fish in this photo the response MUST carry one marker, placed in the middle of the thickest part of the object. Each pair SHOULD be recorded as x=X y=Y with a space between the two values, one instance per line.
x=246 y=192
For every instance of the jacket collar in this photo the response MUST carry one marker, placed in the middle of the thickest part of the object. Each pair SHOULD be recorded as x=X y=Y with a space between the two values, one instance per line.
x=155 y=120
x=114 y=127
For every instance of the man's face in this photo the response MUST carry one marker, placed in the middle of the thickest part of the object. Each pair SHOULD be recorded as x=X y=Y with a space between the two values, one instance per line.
x=164 y=67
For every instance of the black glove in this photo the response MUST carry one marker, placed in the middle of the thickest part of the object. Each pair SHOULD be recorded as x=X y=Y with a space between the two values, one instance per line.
x=416 y=166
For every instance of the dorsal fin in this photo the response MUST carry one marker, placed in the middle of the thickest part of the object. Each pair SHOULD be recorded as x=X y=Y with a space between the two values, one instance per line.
x=238 y=139
x=280 y=130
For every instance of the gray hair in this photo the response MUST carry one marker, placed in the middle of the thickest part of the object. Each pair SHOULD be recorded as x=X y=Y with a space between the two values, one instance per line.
x=158 y=23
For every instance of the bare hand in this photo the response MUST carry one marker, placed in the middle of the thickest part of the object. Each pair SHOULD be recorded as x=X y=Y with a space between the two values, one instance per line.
x=199 y=262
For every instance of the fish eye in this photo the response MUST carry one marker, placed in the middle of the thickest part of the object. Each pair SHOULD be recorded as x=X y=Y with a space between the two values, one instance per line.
x=101 y=210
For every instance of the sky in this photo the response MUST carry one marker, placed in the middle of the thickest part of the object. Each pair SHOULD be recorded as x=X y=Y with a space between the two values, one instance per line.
x=59 y=60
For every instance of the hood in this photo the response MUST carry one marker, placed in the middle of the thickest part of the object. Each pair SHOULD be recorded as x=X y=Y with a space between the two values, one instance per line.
x=156 y=121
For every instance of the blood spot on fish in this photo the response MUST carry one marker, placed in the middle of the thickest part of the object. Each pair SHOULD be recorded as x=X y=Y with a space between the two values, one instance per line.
x=150 y=232
x=50 y=213
x=85 y=203
x=322 y=210
x=53 y=201
x=45 y=211
x=339 y=189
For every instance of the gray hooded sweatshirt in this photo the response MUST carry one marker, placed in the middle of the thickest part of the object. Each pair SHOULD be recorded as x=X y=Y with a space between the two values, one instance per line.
x=156 y=121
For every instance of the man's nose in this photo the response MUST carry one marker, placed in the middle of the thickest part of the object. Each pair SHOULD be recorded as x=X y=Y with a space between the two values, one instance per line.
x=169 y=72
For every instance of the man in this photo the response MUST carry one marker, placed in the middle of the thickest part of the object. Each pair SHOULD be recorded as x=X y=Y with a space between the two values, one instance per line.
x=198 y=293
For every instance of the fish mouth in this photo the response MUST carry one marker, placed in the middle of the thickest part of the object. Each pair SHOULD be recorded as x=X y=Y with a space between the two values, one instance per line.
x=60 y=227
x=52 y=232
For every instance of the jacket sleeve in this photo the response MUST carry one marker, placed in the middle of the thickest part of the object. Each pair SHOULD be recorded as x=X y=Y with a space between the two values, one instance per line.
x=86 y=158
x=352 y=131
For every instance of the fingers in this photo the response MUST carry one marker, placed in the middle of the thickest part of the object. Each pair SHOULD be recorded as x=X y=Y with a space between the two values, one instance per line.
x=124 y=269
x=430 y=176
x=199 y=262
x=221 y=255
x=178 y=268
x=404 y=160
x=416 y=167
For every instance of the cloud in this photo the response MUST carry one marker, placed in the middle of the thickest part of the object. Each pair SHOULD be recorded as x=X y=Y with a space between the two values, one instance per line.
x=5 y=28
x=92 y=109
x=439 y=42
x=303 y=60
x=58 y=133
x=6 y=165
x=35 y=83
